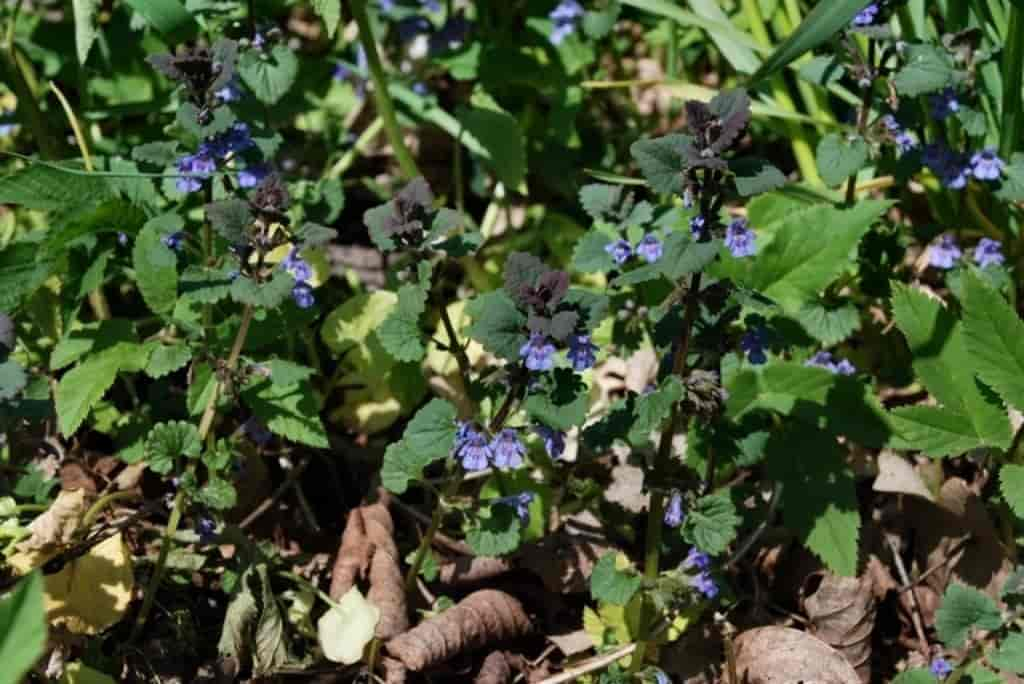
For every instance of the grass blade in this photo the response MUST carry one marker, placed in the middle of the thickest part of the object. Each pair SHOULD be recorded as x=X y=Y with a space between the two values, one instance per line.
x=821 y=24
x=741 y=57
x=670 y=11
x=1013 y=76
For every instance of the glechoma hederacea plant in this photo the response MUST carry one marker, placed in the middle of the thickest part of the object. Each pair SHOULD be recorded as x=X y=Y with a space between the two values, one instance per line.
x=244 y=300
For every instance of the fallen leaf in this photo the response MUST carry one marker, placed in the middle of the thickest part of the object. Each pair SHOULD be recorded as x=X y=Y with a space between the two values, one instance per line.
x=842 y=613
x=780 y=655
x=896 y=475
x=58 y=524
x=346 y=629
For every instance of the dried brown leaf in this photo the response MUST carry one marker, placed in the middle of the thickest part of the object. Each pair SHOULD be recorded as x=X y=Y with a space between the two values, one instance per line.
x=842 y=613
x=897 y=475
x=58 y=524
x=484 y=617
x=780 y=655
x=495 y=670
x=471 y=569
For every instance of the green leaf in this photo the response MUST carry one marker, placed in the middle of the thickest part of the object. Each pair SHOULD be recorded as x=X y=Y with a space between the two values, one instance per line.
x=918 y=675
x=711 y=523
x=738 y=54
x=22 y=628
x=499 y=132
x=168 y=358
x=231 y=219
x=206 y=285
x=610 y=584
x=653 y=408
x=803 y=259
x=81 y=387
x=819 y=26
x=496 y=532
x=169 y=17
x=218 y=493
x=819 y=496
x=828 y=326
x=599 y=23
x=290 y=410
x=169 y=441
x=995 y=340
x=755 y=176
x=112 y=216
x=85 y=26
x=1011 y=485
x=156 y=265
x=330 y=12
x=497 y=324
x=562 y=405
x=188 y=118
x=840 y=157
x=965 y=608
x=48 y=188
x=928 y=68
x=976 y=673
x=600 y=200
x=21 y=274
x=671 y=10
x=269 y=75
x=942 y=361
x=1010 y=656
x=662 y=161
x=268 y=295
x=1012 y=187
x=161 y=154
x=429 y=437
x=12 y=379
x=933 y=430
x=683 y=256
x=400 y=332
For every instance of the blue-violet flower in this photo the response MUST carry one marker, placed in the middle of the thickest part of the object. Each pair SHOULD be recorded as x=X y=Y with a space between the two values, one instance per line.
x=538 y=353
x=649 y=248
x=945 y=253
x=507 y=449
x=986 y=165
x=566 y=16
x=674 y=515
x=554 y=440
x=988 y=252
x=581 y=352
x=302 y=293
x=739 y=239
x=620 y=251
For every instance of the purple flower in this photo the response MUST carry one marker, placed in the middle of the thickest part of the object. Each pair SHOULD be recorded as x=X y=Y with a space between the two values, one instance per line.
x=194 y=167
x=232 y=92
x=986 y=165
x=581 y=352
x=251 y=176
x=620 y=251
x=554 y=441
x=952 y=168
x=341 y=72
x=890 y=123
x=257 y=432
x=122 y=239
x=740 y=239
x=696 y=559
x=298 y=267
x=386 y=5
x=507 y=449
x=674 y=515
x=955 y=176
x=566 y=16
x=944 y=104
x=905 y=141
x=520 y=502
x=538 y=353
x=472 y=449
x=698 y=227
x=206 y=528
x=941 y=668
x=173 y=241
x=823 y=359
x=649 y=248
x=945 y=253
x=988 y=252
x=867 y=16
x=237 y=138
x=420 y=88
x=302 y=293
x=705 y=584
x=753 y=343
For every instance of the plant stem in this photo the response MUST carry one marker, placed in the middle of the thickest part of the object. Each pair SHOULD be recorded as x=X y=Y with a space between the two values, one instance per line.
x=380 y=91
x=179 y=499
x=103 y=502
x=18 y=72
x=435 y=524
x=1013 y=78
x=455 y=346
x=656 y=512
x=862 y=122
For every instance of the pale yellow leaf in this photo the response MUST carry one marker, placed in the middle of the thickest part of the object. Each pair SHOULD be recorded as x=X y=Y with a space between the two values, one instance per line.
x=346 y=629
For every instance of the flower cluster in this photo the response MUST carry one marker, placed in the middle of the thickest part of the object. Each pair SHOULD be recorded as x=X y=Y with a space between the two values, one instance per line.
x=740 y=239
x=220 y=149
x=566 y=17
x=824 y=359
x=754 y=342
x=904 y=140
x=302 y=272
x=955 y=168
x=867 y=16
x=649 y=249
x=702 y=581
x=475 y=451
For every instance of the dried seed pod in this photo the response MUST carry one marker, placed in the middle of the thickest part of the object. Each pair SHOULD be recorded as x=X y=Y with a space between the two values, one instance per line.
x=484 y=617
